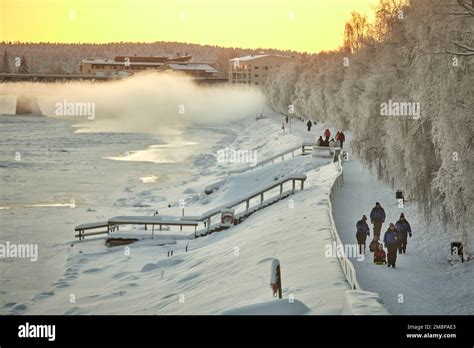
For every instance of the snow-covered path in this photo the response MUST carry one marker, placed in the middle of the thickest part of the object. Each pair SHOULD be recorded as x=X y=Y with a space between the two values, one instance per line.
x=423 y=282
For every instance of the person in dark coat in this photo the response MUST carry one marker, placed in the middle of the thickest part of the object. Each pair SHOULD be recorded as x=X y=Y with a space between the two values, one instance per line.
x=309 y=124
x=325 y=142
x=377 y=218
x=342 y=138
x=320 y=141
x=391 y=240
x=362 y=233
x=404 y=228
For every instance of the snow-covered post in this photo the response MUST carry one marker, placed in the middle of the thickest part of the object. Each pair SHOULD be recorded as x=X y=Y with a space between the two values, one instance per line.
x=275 y=278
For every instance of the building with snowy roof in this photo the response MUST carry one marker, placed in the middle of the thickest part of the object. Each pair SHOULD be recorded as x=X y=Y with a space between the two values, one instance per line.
x=253 y=69
x=123 y=66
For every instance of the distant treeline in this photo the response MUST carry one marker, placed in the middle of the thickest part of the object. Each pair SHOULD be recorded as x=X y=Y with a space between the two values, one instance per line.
x=57 y=58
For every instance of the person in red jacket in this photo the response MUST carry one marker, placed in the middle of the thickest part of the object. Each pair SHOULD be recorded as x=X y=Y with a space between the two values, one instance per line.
x=380 y=257
x=327 y=133
x=342 y=139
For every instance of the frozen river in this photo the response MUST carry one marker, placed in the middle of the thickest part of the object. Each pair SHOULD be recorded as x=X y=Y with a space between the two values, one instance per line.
x=53 y=178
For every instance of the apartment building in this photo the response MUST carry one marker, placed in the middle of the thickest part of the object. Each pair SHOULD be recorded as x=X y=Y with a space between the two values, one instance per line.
x=254 y=69
x=125 y=66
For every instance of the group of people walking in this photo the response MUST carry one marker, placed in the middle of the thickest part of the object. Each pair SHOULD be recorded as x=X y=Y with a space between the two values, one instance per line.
x=395 y=238
x=337 y=141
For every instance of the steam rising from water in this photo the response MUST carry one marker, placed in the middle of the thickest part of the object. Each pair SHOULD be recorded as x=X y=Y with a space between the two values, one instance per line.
x=160 y=103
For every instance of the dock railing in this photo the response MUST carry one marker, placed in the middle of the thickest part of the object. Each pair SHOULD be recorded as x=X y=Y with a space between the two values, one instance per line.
x=206 y=218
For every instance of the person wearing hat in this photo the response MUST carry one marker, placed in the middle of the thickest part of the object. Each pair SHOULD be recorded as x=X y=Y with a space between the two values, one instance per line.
x=391 y=240
x=362 y=233
x=377 y=218
x=404 y=228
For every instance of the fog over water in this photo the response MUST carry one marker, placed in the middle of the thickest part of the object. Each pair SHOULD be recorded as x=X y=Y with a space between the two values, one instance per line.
x=159 y=103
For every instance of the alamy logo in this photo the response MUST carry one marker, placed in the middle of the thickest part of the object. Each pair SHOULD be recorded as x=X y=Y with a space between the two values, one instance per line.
x=37 y=331
x=12 y=250
x=343 y=250
x=393 y=108
x=70 y=108
x=228 y=155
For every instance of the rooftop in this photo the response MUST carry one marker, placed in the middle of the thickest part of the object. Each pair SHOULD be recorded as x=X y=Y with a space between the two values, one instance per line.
x=140 y=60
x=257 y=56
x=192 y=66
x=113 y=62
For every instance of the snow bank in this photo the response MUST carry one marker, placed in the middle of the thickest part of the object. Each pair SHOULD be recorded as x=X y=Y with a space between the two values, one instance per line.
x=358 y=302
x=274 y=307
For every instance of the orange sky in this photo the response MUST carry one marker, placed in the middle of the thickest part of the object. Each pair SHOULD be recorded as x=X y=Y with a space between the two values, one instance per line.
x=302 y=25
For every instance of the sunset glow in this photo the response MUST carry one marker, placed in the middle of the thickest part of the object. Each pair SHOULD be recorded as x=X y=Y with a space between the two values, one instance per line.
x=302 y=25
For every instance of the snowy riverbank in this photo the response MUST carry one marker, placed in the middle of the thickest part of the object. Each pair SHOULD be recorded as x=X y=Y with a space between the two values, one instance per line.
x=210 y=276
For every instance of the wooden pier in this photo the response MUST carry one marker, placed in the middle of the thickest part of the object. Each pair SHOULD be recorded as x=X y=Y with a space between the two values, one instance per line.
x=241 y=205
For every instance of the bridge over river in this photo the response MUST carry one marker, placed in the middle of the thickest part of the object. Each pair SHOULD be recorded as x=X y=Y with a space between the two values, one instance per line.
x=94 y=78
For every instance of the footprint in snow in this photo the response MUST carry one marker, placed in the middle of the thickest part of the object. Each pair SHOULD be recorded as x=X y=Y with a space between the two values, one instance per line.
x=71 y=311
x=19 y=307
x=92 y=270
x=265 y=260
x=189 y=277
x=168 y=296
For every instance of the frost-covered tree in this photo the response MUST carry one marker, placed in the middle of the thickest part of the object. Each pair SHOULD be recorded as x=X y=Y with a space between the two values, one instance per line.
x=23 y=68
x=5 y=64
x=417 y=52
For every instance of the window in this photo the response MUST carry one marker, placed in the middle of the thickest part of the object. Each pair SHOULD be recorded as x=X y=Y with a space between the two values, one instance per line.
x=265 y=68
x=256 y=68
x=256 y=75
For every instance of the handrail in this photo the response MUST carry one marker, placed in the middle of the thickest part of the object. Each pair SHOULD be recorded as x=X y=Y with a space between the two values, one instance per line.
x=270 y=159
x=273 y=157
x=192 y=220
x=346 y=264
x=206 y=215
